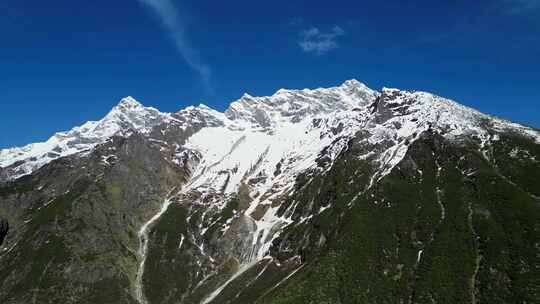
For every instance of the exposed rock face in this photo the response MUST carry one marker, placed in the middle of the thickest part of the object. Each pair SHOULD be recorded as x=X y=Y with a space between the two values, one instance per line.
x=4 y=229
x=339 y=195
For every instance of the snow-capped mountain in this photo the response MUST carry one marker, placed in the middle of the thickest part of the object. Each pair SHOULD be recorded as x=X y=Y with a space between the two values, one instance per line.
x=284 y=118
x=128 y=116
x=242 y=198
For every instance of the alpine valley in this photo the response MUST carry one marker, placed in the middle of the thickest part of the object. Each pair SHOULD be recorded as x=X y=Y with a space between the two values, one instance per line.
x=331 y=195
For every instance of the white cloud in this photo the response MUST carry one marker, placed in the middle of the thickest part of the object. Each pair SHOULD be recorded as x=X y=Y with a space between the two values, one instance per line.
x=315 y=41
x=170 y=18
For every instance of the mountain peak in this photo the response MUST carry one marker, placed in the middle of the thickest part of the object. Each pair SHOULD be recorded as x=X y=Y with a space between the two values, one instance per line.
x=130 y=114
x=282 y=108
x=294 y=105
x=389 y=90
x=352 y=83
x=128 y=106
x=126 y=116
x=129 y=102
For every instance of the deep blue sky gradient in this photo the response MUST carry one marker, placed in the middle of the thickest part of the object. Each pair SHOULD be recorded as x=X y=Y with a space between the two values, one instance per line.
x=64 y=62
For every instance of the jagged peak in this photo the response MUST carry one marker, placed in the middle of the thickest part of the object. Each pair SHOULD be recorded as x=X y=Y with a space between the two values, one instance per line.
x=130 y=110
x=246 y=96
x=353 y=83
x=294 y=105
x=284 y=107
x=347 y=84
x=200 y=108
x=208 y=111
x=129 y=102
x=205 y=108
x=389 y=90
x=127 y=116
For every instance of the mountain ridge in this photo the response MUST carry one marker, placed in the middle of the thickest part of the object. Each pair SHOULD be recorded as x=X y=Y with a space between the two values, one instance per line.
x=130 y=115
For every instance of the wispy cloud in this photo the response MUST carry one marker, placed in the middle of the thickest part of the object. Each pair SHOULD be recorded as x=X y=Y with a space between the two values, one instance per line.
x=172 y=21
x=520 y=6
x=315 y=41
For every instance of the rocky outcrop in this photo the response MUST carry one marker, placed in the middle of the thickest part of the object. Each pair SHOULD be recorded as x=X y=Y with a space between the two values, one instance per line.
x=4 y=229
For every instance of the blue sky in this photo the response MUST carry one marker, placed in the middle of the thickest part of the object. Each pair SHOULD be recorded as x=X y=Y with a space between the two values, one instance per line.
x=65 y=62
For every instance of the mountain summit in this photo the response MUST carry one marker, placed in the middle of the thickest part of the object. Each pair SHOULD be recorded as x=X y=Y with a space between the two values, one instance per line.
x=329 y=195
x=285 y=106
